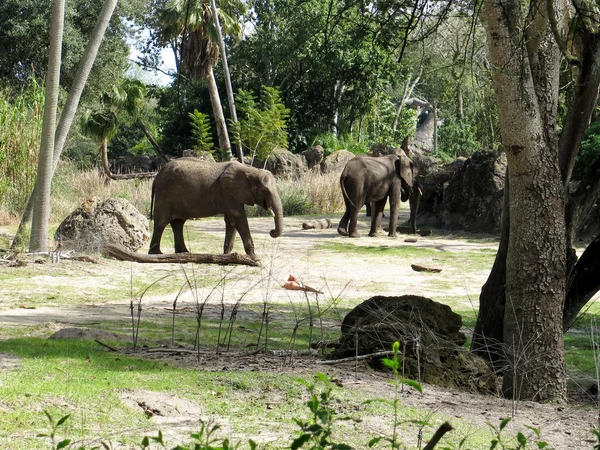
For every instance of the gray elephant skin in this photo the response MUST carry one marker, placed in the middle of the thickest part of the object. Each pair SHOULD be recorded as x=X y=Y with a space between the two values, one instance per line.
x=370 y=179
x=188 y=188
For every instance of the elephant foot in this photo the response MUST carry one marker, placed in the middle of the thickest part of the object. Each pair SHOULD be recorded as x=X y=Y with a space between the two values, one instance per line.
x=154 y=251
x=356 y=234
x=373 y=234
x=393 y=235
x=342 y=231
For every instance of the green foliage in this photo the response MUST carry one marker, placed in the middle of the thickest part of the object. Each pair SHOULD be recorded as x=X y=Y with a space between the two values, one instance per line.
x=589 y=150
x=456 y=138
x=20 y=132
x=316 y=433
x=54 y=426
x=498 y=441
x=261 y=128
x=200 y=124
x=395 y=364
x=331 y=143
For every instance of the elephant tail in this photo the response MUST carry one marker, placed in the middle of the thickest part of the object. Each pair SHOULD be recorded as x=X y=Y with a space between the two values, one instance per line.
x=344 y=192
x=152 y=201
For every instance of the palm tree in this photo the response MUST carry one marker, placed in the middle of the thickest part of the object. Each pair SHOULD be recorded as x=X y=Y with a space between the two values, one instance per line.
x=68 y=112
x=191 y=22
x=103 y=124
x=41 y=209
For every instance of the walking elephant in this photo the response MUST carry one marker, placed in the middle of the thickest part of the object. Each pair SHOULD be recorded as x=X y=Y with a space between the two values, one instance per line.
x=189 y=188
x=369 y=179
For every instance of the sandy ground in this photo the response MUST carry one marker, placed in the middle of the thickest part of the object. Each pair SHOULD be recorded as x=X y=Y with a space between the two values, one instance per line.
x=336 y=274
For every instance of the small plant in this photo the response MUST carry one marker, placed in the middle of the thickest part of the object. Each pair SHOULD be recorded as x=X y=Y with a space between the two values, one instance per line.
x=262 y=126
x=395 y=364
x=201 y=131
x=522 y=440
x=316 y=432
x=54 y=426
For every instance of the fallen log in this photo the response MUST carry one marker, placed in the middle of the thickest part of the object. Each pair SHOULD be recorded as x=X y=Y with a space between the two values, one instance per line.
x=420 y=268
x=122 y=254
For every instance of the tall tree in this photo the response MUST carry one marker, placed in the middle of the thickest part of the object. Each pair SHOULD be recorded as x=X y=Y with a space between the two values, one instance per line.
x=68 y=113
x=191 y=22
x=522 y=306
x=41 y=212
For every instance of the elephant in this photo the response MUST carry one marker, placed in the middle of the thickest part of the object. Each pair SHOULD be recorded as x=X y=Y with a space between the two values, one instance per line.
x=373 y=179
x=187 y=188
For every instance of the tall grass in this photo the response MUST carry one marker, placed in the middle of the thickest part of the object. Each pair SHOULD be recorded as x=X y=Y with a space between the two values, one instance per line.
x=71 y=187
x=20 y=131
x=313 y=193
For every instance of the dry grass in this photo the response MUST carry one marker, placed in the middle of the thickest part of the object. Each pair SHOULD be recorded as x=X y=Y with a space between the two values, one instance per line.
x=324 y=191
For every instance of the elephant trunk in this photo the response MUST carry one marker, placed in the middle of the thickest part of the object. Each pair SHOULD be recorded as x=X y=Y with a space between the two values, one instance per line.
x=415 y=198
x=277 y=209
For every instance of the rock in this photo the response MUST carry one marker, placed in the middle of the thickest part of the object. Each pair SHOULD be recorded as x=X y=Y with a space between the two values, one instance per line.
x=317 y=224
x=336 y=161
x=285 y=164
x=430 y=338
x=433 y=185
x=193 y=153
x=314 y=156
x=473 y=197
x=86 y=333
x=96 y=222
x=383 y=149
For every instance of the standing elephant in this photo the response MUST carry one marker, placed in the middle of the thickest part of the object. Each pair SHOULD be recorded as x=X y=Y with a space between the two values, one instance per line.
x=367 y=179
x=189 y=188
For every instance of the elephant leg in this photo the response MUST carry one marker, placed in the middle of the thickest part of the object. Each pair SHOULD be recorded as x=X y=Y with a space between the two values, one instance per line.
x=352 y=225
x=177 y=227
x=343 y=226
x=369 y=212
x=377 y=216
x=241 y=224
x=394 y=210
x=159 y=227
x=229 y=235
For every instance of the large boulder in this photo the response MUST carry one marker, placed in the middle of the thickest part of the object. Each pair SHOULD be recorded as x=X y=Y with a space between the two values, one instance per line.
x=473 y=196
x=336 y=161
x=285 y=164
x=433 y=183
x=430 y=336
x=97 y=222
x=314 y=156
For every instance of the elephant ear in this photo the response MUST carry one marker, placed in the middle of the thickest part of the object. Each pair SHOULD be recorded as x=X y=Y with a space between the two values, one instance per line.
x=236 y=181
x=405 y=169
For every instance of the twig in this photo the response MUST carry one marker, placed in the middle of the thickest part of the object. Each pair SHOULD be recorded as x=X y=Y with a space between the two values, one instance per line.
x=112 y=349
x=356 y=358
x=441 y=431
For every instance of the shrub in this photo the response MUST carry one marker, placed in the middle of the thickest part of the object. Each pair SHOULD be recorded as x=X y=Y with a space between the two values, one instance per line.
x=20 y=133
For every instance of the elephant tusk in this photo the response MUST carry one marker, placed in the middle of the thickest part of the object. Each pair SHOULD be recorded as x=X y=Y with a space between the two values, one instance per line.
x=420 y=191
x=271 y=211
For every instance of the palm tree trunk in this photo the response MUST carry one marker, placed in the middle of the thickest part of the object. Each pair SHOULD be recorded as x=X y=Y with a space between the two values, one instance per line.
x=68 y=112
x=228 y=86
x=104 y=156
x=215 y=101
x=41 y=210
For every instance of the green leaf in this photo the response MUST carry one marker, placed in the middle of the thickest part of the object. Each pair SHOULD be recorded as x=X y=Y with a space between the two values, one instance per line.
x=300 y=441
x=412 y=383
x=521 y=439
x=503 y=423
x=374 y=441
x=542 y=444
x=62 y=420
x=63 y=444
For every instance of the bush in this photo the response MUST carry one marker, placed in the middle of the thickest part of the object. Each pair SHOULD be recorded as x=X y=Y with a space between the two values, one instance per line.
x=20 y=133
x=314 y=193
x=457 y=139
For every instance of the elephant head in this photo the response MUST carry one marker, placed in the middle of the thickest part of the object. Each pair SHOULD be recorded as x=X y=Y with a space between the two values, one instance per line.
x=252 y=186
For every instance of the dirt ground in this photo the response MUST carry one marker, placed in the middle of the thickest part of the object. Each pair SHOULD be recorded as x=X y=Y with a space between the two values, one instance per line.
x=297 y=252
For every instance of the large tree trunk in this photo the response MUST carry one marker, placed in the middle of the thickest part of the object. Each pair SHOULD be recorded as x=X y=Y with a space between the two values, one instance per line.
x=41 y=212
x=228 y=86
x=217 y=108
x=68 y=112
x=525 y=79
